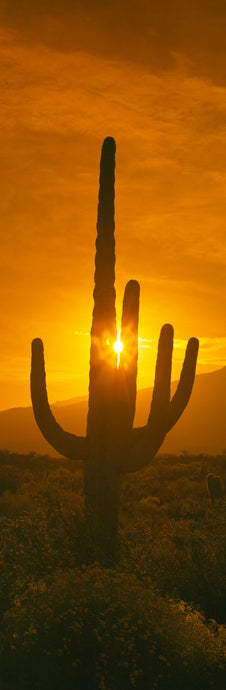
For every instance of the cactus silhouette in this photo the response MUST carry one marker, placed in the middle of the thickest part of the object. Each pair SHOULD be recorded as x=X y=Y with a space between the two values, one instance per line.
x=215 y=487
x=111 y=446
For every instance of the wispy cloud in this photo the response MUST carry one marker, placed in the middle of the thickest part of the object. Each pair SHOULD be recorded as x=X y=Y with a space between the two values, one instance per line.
x=82 y=334
x=159 y=35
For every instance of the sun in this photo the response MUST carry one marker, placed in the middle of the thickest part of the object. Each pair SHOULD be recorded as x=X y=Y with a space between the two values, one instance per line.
x=118 y=347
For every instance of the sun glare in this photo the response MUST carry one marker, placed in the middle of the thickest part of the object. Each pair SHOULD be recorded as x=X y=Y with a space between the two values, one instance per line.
x=118 y=347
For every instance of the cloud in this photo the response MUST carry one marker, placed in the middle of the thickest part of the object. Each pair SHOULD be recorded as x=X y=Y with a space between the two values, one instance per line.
x=170 y=166
x=56 y=108
x=158 y=35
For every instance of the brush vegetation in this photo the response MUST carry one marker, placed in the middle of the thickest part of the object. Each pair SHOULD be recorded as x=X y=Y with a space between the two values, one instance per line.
x=156 y=620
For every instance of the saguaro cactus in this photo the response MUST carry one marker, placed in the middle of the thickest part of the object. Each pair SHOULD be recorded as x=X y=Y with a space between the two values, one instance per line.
x=215 y=487
x=111 y=446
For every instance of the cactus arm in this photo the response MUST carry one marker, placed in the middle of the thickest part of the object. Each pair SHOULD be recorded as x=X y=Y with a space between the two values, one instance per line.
x=73 y=447
x=185 y=385
x=145 y=441
x=161 y=393
x=129 y=354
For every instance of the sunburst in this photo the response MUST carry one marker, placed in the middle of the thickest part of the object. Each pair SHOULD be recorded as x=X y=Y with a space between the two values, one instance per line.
x=118 y=347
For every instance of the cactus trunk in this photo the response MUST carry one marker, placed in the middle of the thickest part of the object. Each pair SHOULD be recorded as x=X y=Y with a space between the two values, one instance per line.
x=101 y=479
x=101 y=489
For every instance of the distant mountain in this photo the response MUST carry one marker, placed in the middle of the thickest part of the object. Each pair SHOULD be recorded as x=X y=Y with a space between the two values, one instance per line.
x=201 y=429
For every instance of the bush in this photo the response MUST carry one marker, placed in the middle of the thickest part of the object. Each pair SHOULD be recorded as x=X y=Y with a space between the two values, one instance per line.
x=9 y=478
x=96 y=629
x=64 y=626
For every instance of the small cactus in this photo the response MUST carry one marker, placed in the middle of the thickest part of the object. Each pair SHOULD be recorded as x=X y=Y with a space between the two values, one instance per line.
x=111 y=446
x=215 y=487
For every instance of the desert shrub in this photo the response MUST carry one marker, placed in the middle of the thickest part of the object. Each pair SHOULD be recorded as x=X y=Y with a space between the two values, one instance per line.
x=146 y=506
x=99 y=629
x=35 y=543
x=12 y=505
x=9 y=478
x=184 y=557
x=65 y=626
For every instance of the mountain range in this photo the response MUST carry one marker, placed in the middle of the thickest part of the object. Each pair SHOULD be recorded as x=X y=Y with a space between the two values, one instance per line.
x=201 y=429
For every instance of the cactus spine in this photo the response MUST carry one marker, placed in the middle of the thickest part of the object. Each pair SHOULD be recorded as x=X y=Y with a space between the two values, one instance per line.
x=111 y=446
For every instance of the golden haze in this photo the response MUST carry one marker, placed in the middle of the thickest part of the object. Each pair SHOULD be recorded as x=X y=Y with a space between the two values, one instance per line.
x=68 y=80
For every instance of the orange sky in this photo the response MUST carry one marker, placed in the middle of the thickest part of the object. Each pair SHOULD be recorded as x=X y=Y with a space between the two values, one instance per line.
x=152 y=75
